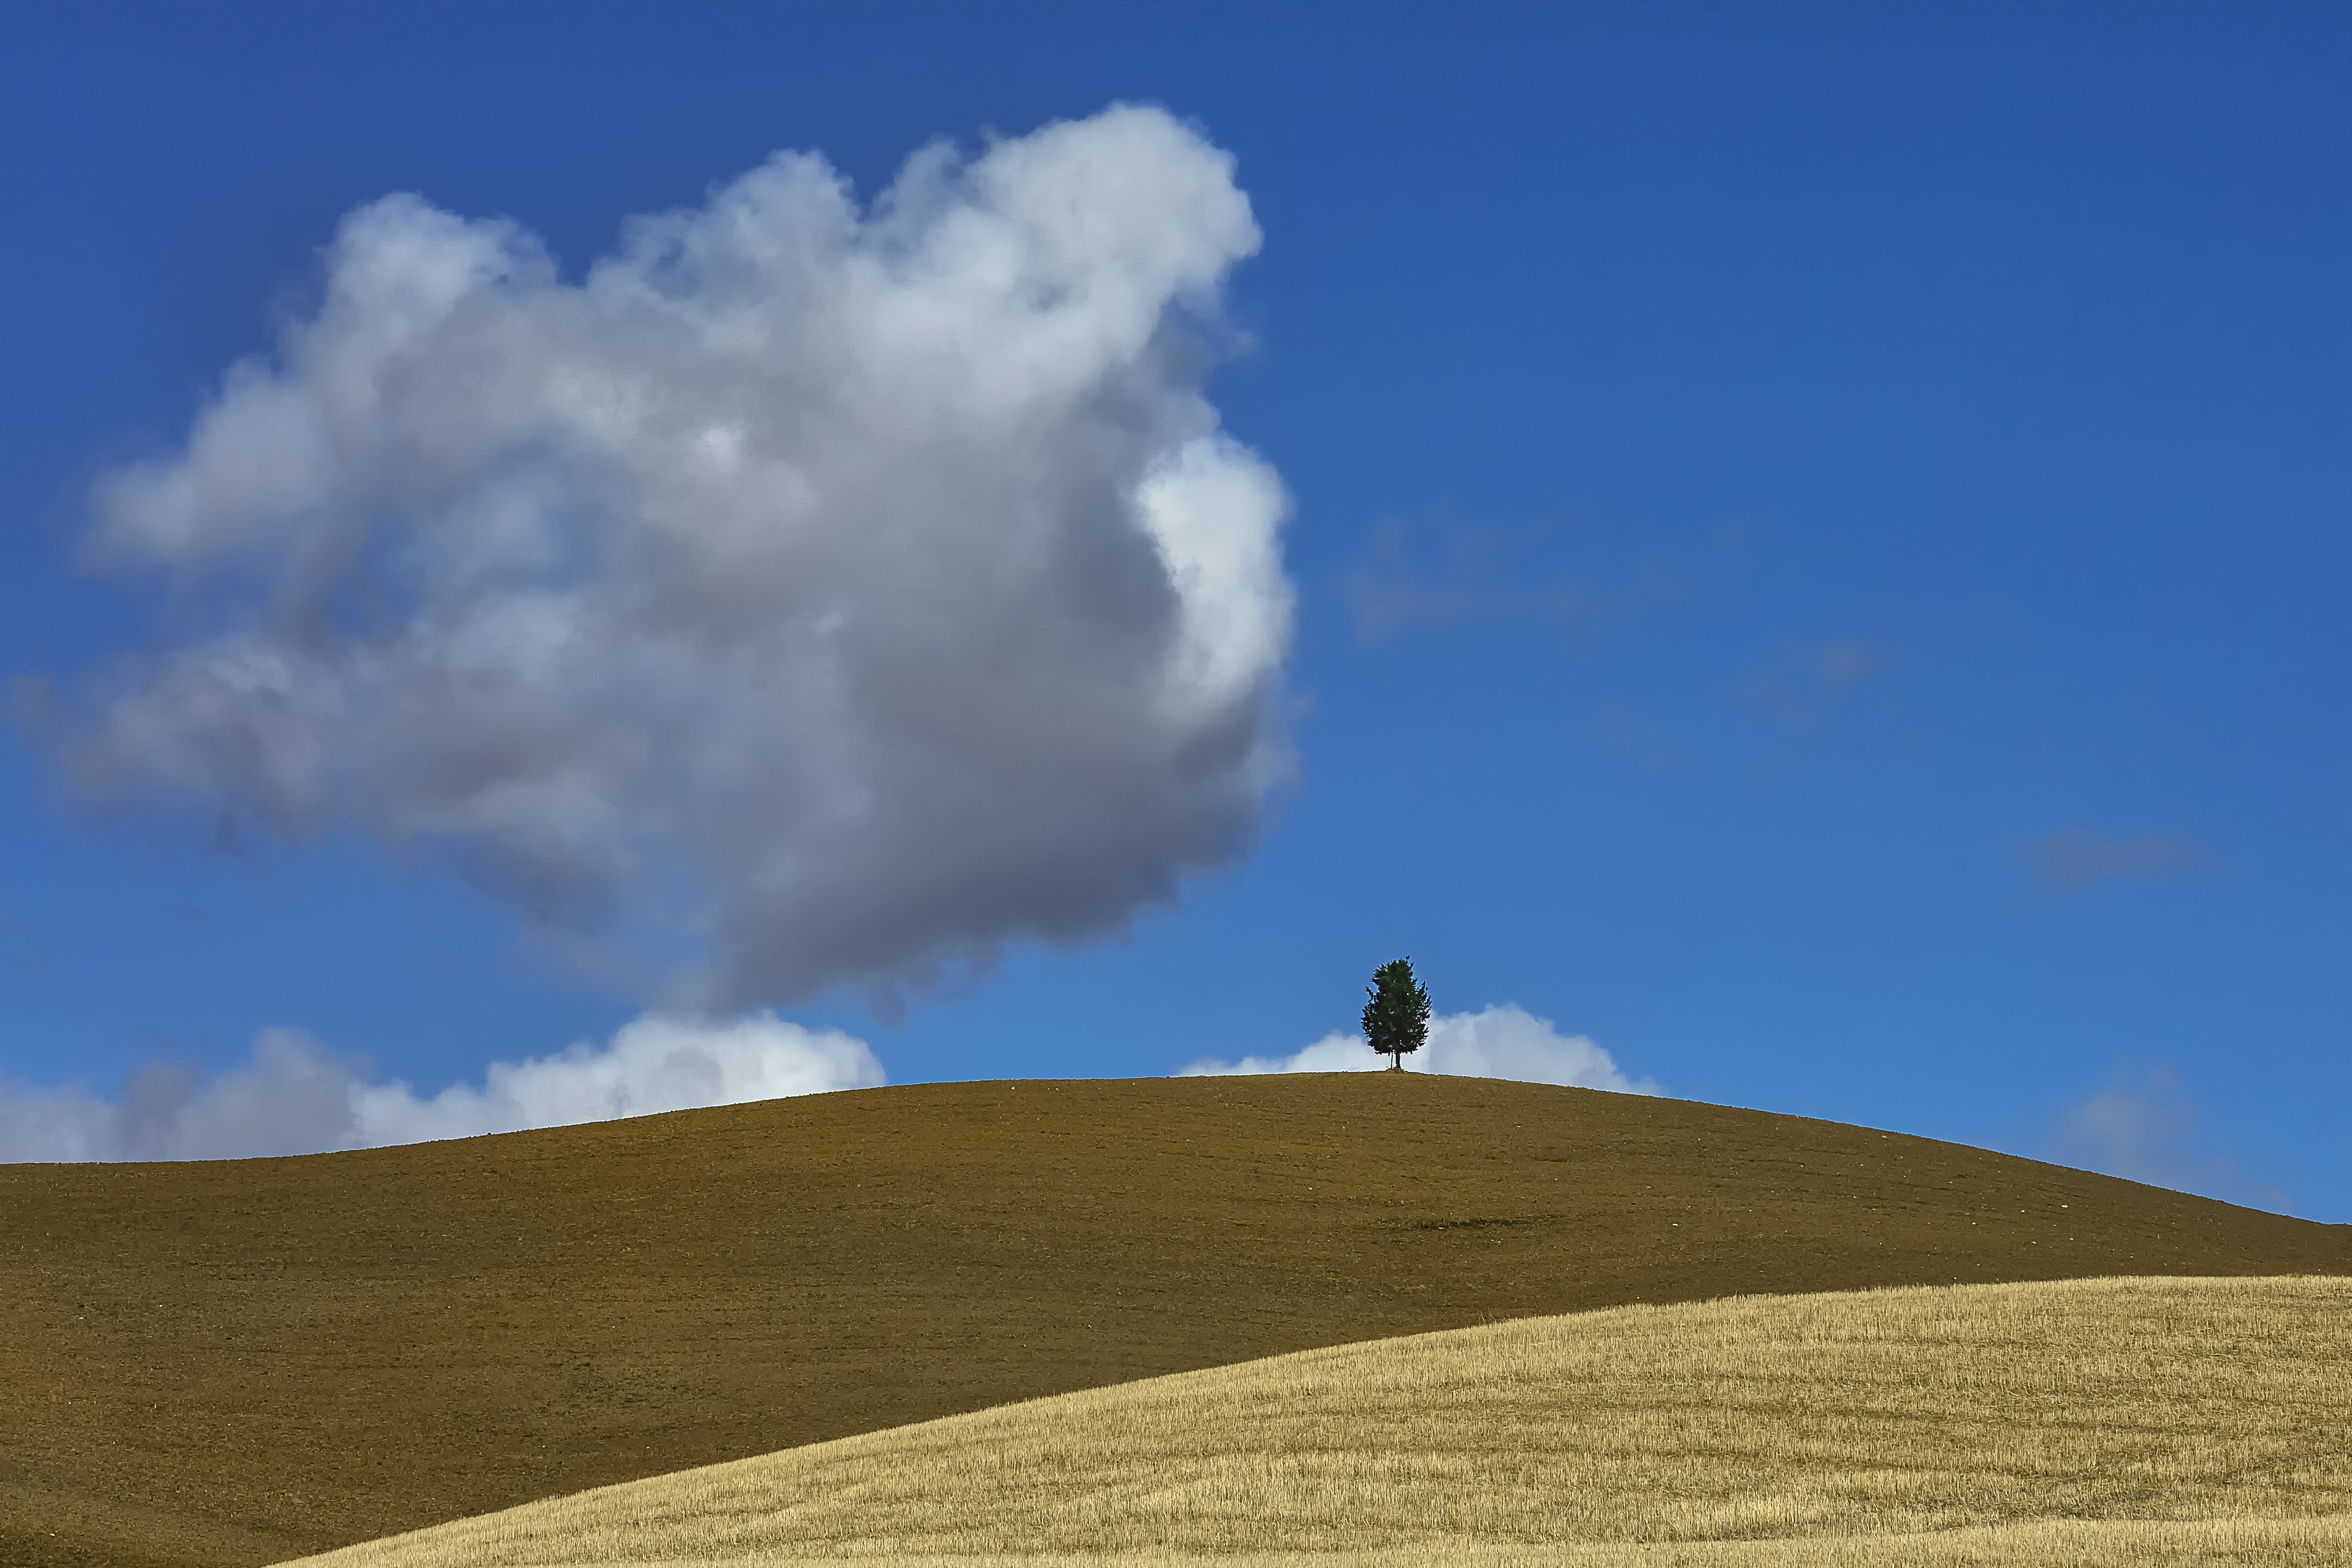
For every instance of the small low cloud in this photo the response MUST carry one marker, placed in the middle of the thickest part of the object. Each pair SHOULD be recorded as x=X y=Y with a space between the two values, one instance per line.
x=1394 y=588
x=1800 y=686
x=2078 y=858
x=1498 y=1043
x=297 y=1097
x=2142 y=1127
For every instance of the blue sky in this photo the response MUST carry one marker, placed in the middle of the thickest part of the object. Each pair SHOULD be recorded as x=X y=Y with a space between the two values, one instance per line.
x=1816 y=536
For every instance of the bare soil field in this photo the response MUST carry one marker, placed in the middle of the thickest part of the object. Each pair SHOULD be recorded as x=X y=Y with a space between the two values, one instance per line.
x=2114 y=1420
x=233 y=1362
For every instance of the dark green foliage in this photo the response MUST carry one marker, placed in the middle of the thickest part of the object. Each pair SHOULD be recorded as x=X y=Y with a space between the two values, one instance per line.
x=1396 y=1019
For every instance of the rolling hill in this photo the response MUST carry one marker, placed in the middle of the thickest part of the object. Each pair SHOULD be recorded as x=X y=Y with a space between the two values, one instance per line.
x=2121 y=1422
x=233 y=1362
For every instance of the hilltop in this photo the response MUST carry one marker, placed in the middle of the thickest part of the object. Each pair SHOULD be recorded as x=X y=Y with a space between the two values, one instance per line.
x=232 y=1362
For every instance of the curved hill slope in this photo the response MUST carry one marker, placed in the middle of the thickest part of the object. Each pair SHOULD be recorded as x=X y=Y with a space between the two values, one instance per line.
x=230 y=1363
x=2123 y=1421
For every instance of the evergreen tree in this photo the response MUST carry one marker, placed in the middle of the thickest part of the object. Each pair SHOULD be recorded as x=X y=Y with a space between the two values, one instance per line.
x=1396 y=1019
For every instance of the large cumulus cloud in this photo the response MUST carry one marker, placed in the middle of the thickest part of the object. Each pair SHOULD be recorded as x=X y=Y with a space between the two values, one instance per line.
x=842 y=588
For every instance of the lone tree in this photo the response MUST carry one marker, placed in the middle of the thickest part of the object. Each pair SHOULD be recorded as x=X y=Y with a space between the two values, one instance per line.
x=1396 y=1019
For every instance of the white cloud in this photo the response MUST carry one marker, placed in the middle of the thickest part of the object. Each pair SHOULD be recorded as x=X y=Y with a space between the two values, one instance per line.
x=846 y=588
x=296 y=1097
x=2078 y=858
x=2142 y=1127
x=1499 y=1042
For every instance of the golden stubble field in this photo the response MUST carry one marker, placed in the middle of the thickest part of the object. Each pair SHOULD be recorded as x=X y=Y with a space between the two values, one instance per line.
x=235 y=1362
x=2113 y=1420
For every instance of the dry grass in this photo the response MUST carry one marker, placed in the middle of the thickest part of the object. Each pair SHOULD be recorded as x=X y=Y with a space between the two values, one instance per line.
x=2213 y=1543
x=2126 y=1420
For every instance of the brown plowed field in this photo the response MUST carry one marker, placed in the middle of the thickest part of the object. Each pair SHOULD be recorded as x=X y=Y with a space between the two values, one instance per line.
x=228 y=1362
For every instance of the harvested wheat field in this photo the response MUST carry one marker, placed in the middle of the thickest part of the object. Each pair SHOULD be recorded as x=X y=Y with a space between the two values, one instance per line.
x=2024 y=1420
x=227 y=1364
